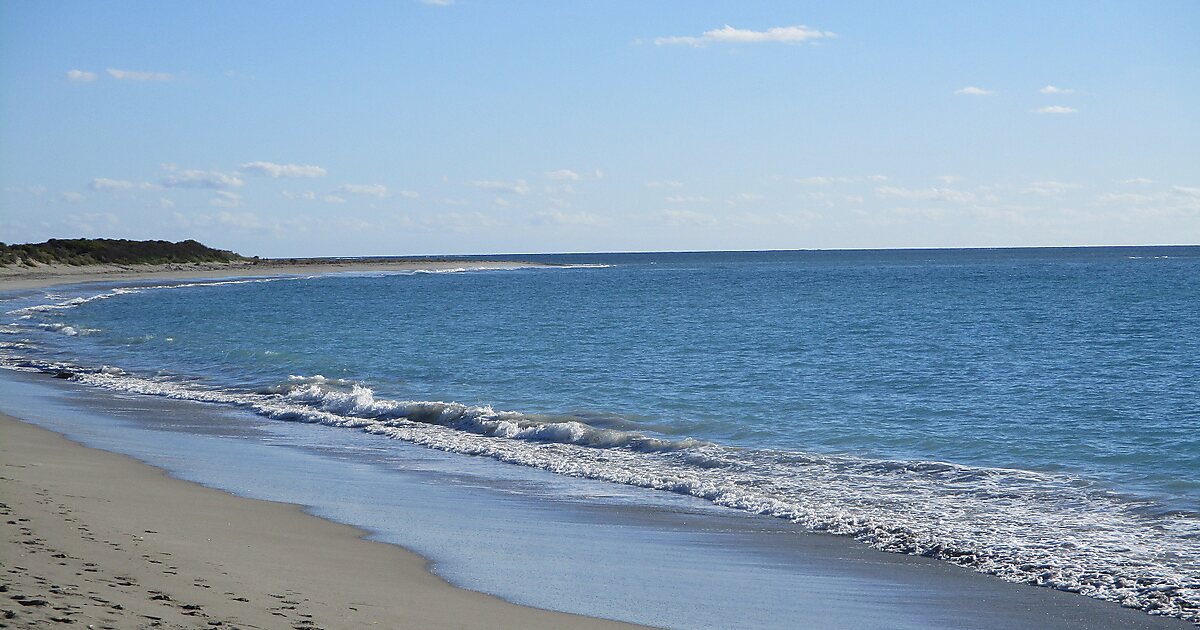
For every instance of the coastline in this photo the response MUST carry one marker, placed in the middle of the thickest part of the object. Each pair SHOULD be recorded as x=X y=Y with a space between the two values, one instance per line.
x=19 y=278
x=1061 y=607
x=99 y=538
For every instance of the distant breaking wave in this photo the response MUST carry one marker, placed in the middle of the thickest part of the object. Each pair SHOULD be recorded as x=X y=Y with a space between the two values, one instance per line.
x=1045 y=529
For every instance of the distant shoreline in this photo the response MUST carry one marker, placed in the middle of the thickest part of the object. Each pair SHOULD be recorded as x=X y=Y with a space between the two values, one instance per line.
x=18 y=277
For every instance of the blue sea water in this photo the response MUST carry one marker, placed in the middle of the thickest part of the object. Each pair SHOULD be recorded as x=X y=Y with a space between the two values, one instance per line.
x=1031 y=413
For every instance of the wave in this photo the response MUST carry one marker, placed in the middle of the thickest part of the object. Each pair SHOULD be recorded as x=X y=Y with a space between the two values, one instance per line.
x=66 y=304
x=1053 y=530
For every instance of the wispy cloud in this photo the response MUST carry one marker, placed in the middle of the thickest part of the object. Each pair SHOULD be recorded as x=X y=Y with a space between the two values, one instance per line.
x=138 y=75
x=1050 y=89
x=226 y=199
x=730 y=35
x=1055 y=109
x=687 y=199
x=666 y=184
x=1136 y=180
x=1048 y=188
x=80 y=76
x=972 y=90
x=687 y=218
x=367 y=190
x=190 y=178
x=270 y=169
x=926 y=194
x=563 y=175
x=438 y=3
x=558 y=217
x=71 y=197
x=104 y=184
x=519 y=187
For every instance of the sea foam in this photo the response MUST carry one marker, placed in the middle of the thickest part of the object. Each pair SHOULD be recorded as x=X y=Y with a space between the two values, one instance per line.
x=1052 y=530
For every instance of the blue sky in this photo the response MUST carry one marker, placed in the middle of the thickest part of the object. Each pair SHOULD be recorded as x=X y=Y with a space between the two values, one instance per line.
x=410 y=127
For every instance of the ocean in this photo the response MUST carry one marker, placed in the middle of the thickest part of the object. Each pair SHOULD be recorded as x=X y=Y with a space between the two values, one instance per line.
x=1030 y=414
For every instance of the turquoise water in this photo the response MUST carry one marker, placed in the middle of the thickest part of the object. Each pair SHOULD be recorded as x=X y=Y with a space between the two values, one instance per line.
x=1033 y=414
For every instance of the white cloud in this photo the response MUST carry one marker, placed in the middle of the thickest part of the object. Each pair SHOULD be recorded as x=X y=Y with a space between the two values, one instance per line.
x=189 y=178
x=80 y=76
x=666 y=184
x=563 y=175
x=559 y=217
x=1055 y=109
x=1190 y=191
x=730 y=35
x=972 y=90
x=163 y=202
x=1050 y=89
x=1136 y=180
x=226 y=199
x=519 y=187
x=926 y=194
x=949 y=179
x=270 y=169
x=687 y=199
x=333 y=199
x=598 y=173
x=1048 y=188
x=877 y=178
x=745 y=196
x=366 y=190
x=71 y=197
x=687 y=218
x=138 y=75
x=410 y=194
x=502 y=202
x=104 y=184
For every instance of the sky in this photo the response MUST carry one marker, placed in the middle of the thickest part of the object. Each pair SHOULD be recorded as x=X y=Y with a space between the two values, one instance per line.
x=413 y=127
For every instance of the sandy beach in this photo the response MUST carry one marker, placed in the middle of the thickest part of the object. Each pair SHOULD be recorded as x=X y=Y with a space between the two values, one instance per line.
x=101 y=540
x=21 y=277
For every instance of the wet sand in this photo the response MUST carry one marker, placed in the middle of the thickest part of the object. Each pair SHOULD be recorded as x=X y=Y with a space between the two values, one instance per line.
x=99 y=540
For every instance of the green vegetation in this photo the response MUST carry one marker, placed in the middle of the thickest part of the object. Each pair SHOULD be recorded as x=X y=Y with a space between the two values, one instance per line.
x=107 y=251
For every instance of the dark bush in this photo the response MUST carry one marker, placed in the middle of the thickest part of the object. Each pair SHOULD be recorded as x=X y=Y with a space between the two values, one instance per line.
x=97 y=251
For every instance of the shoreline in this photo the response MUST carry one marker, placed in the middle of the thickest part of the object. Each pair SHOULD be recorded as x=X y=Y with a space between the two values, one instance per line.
x=21 y=278
x=100 y=538
x=103 y=514
x=1057 y=599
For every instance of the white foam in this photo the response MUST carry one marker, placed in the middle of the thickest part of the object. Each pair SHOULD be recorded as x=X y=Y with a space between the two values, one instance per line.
x=1038 y=528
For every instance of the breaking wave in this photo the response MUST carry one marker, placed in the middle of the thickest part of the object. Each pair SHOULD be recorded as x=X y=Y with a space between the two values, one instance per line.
x=1054 y=530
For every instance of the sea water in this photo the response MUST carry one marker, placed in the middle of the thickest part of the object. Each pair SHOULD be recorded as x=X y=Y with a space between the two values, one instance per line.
x=1031 y=414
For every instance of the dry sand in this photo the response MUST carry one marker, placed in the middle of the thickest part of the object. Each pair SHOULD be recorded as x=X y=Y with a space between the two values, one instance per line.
x=100 y=540
x=20 y=277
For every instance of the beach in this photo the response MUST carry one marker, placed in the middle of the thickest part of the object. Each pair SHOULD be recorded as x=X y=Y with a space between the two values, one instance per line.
x=98 y=539
x=24 y=277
